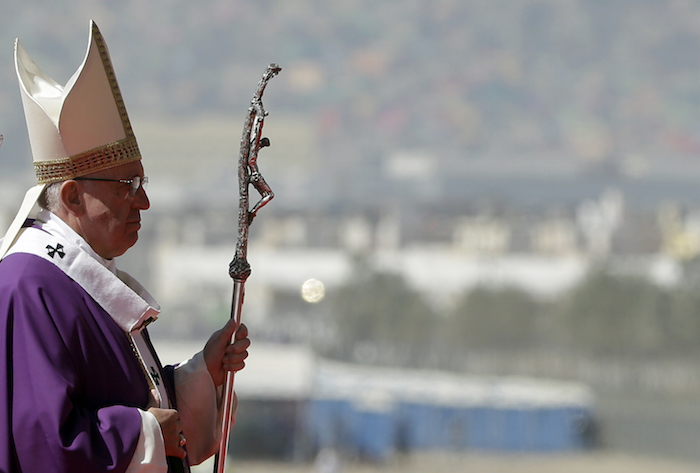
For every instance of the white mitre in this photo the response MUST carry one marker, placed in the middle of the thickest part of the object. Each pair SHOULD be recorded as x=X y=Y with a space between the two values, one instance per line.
x=75 y=129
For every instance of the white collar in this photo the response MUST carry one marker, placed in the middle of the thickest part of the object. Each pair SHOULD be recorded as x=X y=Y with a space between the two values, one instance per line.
x=53 y=224
x=120 y=295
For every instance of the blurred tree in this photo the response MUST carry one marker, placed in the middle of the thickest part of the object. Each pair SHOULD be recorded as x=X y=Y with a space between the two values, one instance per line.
x=381 y=319
x=617 y=316
x=679 y=313
x=490 y=318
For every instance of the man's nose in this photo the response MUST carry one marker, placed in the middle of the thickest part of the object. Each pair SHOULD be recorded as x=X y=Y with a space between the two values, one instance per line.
x=141 y=200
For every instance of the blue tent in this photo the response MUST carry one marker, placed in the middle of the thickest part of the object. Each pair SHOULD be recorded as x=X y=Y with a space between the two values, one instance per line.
x=381 y=411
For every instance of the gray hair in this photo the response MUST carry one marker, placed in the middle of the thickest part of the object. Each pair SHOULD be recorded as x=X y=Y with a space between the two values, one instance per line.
x=51 y=197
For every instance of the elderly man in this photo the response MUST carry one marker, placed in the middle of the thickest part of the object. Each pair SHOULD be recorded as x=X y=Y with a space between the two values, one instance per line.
x=82 y=388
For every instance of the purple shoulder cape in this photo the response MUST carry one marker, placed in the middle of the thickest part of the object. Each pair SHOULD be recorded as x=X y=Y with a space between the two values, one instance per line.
x=70 y=381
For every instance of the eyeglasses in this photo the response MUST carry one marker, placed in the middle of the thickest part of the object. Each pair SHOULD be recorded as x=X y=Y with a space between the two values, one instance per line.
x=135 y=182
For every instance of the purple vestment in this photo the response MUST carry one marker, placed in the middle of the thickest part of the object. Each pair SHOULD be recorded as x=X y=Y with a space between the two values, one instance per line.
x=70 y=381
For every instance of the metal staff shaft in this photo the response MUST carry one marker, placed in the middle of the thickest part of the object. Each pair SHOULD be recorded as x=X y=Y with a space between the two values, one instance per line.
x=220 y=459
x=239 y=269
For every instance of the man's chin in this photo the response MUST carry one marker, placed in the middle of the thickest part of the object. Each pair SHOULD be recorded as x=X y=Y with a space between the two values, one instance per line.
x=133 y=238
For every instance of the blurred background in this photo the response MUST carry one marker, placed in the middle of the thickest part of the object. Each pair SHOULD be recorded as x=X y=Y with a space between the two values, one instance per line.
x=486 y=229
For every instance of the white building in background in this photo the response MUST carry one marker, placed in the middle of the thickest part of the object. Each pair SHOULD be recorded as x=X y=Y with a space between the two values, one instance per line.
x=187 y=271
x=482 y=235
x=598 y=220
x=555 y=237
x=439 y=273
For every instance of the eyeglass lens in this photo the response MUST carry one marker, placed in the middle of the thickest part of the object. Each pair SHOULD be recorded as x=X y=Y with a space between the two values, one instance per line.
x=137 y=182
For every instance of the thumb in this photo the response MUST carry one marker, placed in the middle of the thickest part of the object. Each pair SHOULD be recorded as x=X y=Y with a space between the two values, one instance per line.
x=221 y=338
x=215 y=349
x=225 y=334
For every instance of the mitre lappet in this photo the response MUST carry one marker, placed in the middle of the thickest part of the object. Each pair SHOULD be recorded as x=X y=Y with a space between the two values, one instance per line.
x=74 y=130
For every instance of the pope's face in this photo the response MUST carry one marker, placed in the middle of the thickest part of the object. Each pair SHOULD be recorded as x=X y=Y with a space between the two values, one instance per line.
x=112 y=215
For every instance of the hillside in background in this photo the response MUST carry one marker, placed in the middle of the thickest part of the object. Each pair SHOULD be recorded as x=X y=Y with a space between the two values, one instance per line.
x=552 y=88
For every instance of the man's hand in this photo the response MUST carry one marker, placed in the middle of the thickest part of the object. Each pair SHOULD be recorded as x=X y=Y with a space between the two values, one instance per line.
x=171 y=428
x=220 y=355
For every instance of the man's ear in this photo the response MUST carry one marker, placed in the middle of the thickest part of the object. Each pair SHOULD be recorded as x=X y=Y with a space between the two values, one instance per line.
x=71 y=198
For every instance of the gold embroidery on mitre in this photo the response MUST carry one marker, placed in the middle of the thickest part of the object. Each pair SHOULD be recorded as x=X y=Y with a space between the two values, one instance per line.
x=112 y=78
x=102 y=157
